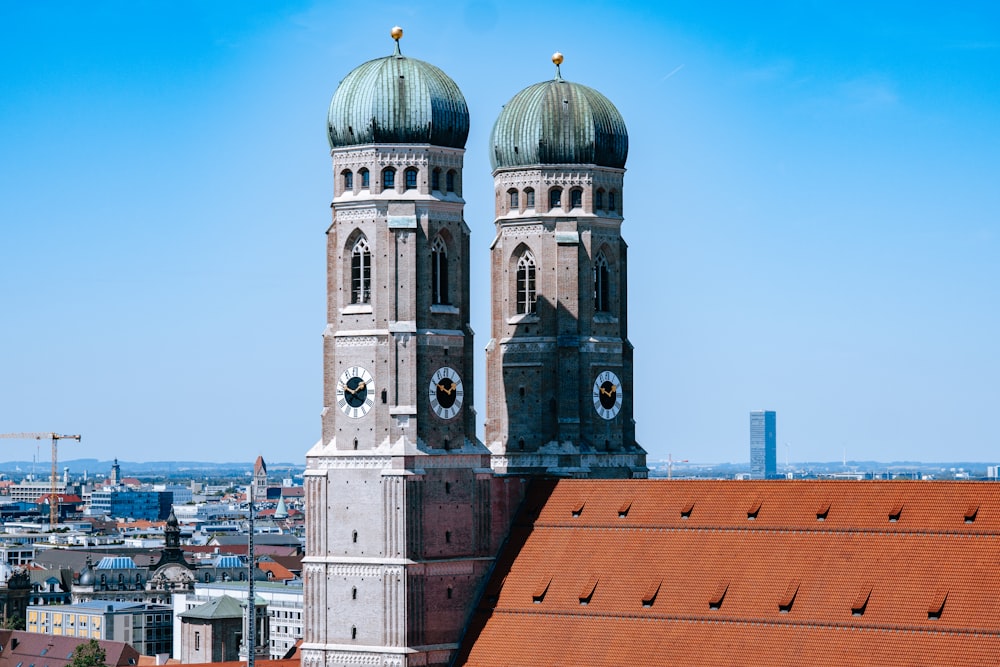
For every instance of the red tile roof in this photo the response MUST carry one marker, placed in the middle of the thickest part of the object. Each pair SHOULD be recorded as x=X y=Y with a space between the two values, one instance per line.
x=775 y=573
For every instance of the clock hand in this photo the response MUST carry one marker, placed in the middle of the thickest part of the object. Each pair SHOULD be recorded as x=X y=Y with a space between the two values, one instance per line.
x=447 y=391
x=359 y=388
x=347 y=389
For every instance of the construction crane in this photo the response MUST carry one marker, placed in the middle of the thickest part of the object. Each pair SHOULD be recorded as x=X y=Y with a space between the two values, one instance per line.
x=670 y=465
x=53 y=493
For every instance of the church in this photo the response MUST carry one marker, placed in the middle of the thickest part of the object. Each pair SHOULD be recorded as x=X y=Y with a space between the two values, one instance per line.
x=546 y=544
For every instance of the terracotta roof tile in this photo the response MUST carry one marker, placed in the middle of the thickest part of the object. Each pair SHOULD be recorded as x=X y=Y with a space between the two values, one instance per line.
x=786 y=583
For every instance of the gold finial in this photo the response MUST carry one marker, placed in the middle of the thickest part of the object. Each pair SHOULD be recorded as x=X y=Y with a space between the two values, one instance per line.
x=557 y=58
x=396 y=33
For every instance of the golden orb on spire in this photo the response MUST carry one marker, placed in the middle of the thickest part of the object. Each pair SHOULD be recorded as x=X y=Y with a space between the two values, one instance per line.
x=557 y=58
x=396 y=32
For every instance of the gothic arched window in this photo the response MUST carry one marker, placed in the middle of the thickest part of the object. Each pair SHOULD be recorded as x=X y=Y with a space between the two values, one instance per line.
x=513 y=198
x=361 y=272
x=348 y=180
x=411 y=179
x=599 y=200
x=612 y=204
x=576 y=198
x=602 y=284
x=555 y=198
x=529 y=198
x=436 y=179
x=526 y=284
x=365 y=179
x=388 y=178
x=450 y=180
x=439 y=272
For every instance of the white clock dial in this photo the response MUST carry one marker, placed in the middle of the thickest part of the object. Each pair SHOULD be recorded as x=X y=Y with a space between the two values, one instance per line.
x=446 y=392
x=355 y=392
x=607 y=395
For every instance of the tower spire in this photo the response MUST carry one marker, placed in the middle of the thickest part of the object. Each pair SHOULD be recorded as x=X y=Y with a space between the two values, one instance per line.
x=557 y=58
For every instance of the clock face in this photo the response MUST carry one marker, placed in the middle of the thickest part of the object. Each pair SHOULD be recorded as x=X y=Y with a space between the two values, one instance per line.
x=607 y=395
x=446 y=392
x=356 y=392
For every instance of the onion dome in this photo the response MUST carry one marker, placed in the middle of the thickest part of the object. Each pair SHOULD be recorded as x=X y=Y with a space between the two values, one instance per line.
x=398 y=100
x=559 y=122
x=87 y=576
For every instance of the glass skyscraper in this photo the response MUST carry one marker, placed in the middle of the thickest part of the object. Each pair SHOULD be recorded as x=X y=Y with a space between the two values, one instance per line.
x=763 y=444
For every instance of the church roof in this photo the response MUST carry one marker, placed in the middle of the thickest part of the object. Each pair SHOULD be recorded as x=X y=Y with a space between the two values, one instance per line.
x=398 y=100
x=220 y=607
x=559 y=122
x=777 y=572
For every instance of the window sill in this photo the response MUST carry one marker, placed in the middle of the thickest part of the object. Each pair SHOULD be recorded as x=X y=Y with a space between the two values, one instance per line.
x=444 y=309
x=356 y=309
x=523 y=318
x=605 y=318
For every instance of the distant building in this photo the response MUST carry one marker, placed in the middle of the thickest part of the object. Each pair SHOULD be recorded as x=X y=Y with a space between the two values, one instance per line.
x=259 y=479
x=763 y=444
x=147 y=627
x=283 y=609
x=123 y=502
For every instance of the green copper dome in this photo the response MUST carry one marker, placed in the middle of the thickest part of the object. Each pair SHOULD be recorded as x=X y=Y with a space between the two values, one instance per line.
x=398 y=100
x=558 y=122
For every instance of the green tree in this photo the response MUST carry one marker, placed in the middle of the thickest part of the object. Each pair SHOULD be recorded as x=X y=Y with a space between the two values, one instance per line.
x=88 y=655
x=13 y=623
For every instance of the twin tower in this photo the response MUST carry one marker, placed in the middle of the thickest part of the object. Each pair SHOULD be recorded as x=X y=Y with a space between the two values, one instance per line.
x=406 y=507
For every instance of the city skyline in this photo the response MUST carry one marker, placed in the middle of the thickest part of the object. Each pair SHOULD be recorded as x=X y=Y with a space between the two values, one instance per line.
x=810 y=210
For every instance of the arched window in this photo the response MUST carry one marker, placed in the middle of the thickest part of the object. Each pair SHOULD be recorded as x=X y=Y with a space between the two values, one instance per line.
x=411 y=179
x=599 y=200
x=388 y=179
x=436 y=179
x=529 y=198
x=361 y=272
x=450 y=180
x=348 y=180
x=513 y=199
x=576 y=198
x=611 y=201
x=439 y=272
x=602 y=286
x=526 y=284
x=365 y=180
x=555 y=198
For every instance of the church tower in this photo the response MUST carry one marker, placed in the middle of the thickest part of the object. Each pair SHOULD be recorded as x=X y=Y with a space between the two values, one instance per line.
x=398 y=488
x=559 y=363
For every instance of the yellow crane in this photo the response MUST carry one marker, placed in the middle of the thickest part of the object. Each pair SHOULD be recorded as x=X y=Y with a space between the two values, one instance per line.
x=55 y=437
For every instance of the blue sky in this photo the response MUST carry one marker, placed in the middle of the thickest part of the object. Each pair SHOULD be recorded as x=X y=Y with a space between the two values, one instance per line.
x=811 y=203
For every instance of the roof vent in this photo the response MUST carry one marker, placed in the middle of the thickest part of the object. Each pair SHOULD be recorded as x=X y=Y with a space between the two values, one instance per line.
x=578 y=508
x=623 y=510
x=588 y=591
x=895 y=512
x=686 y=510
x=785 y=603
x=754 y=509
x=937 y=604
x=861 y=601
x=715 y=602
x=970 y=513
x=650 y=596
x=823 y=510
x=540 y=590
